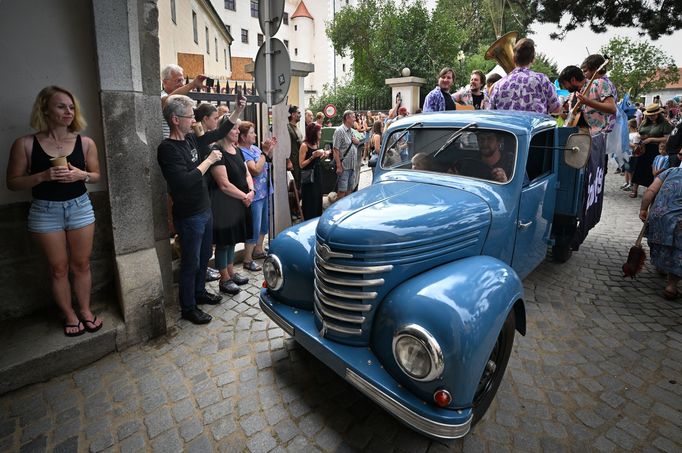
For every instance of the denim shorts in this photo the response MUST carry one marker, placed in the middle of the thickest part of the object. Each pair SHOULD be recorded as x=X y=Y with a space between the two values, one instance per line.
x=50 y=216
x=346 y=181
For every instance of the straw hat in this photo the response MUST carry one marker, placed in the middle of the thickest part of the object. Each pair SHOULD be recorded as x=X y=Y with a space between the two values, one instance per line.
x=653 y=109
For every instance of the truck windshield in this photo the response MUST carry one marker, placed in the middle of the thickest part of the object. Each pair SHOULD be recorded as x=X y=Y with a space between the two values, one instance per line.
x=481 y=153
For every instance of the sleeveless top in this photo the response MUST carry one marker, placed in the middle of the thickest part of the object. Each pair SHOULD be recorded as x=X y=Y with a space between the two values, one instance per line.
x=53 y=190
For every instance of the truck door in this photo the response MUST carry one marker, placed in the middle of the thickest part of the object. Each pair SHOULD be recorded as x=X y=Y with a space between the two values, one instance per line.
x=536 y=205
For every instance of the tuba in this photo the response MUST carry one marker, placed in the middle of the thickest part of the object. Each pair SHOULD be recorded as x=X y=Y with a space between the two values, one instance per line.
x=502 y=51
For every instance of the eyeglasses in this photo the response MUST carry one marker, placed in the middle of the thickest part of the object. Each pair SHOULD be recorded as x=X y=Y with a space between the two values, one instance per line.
x=184 y=116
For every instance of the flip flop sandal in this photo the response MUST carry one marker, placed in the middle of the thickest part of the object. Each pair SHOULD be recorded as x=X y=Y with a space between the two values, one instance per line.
x=74 y=334
x=88 y=321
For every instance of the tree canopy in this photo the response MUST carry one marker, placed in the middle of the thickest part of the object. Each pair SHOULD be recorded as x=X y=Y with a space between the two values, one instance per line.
x=654 y=17
x=638 y=67
x=383 y=37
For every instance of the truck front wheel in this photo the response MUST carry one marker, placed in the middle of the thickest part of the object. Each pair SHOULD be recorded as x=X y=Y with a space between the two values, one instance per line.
x=494 y=369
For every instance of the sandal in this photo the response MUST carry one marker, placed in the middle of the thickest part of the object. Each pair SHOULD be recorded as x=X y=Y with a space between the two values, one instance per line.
x=667 y=295
x=252 y=266
x=91 y=321
x=258 y=256
x=633 y=195
x=74 y=334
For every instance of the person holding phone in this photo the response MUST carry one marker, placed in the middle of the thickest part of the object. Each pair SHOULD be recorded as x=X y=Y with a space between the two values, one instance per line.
x=173 y=82
x=184 y=170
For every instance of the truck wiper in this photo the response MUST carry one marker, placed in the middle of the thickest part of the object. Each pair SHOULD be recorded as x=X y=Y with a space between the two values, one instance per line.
x=455 y=135
x=406 y=130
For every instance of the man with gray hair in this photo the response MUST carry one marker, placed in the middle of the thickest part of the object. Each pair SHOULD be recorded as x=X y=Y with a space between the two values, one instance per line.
x=345 y=150
x=184 y=171
x=173 y=82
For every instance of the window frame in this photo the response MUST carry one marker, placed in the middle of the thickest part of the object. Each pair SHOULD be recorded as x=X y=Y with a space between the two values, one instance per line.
x=195 y=27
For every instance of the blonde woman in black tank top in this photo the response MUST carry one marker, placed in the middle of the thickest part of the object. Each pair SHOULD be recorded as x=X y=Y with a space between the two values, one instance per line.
x=61 y=220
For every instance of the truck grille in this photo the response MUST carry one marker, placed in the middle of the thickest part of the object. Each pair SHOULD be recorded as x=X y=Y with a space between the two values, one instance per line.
x=345 y=295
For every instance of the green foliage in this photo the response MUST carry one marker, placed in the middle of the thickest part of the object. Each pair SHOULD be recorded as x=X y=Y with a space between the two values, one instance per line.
x=657 y=17
x=546 y=66
x=344 y=98
x=638 y=67
x=384 y=36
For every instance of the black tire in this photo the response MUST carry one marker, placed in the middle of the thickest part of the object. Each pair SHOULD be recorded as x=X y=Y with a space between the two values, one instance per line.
x=491 y=379
x=562 y=253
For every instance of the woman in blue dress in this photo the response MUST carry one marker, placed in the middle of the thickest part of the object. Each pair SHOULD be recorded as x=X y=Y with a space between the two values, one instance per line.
x=664 y=233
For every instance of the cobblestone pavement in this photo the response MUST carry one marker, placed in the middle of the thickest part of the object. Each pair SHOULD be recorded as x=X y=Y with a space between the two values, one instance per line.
x=599 y=370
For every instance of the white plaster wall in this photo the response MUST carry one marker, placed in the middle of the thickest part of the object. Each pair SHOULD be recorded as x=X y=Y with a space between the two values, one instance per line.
x=178 y=37
x=37 y=52
x=301 y=47
x=664 y=94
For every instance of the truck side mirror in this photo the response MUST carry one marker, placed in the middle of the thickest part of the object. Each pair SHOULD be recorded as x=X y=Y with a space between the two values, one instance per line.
x=373 y=161
x=577 y=150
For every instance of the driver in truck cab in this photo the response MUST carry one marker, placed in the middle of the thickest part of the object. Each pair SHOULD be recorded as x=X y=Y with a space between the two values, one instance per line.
x=492 y=153
x=500 y=163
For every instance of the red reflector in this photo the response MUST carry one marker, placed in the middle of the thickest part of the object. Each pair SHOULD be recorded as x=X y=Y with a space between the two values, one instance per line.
x=265 y=284
x=442 y=398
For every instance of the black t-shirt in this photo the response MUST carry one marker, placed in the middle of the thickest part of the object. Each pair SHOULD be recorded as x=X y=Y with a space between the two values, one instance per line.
x=478 y=100
x=179 y=160
x=449 y=103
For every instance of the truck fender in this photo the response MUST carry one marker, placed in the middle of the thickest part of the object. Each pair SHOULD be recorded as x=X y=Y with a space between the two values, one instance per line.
x=295 y=248
x=463 y=305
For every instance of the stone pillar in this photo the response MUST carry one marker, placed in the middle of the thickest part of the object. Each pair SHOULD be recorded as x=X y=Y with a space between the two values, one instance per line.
x=409 y=88
x=127 y=51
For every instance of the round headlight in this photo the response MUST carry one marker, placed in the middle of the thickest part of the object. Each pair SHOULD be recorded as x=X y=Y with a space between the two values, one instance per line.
x=417 y=353
x=272 y=271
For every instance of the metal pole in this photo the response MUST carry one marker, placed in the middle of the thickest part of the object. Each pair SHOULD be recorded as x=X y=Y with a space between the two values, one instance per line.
x=268 y=130
x=268 y=69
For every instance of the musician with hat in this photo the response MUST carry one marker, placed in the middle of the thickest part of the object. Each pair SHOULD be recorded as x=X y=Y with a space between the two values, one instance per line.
x=523 y=89
x=654 y=129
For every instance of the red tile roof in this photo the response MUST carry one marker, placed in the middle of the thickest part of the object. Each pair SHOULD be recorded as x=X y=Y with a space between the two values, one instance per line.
x=302 y=11
x=675 y=85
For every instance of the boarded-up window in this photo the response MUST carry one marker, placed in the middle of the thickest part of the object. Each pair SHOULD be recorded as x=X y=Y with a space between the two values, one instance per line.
x=193 y=64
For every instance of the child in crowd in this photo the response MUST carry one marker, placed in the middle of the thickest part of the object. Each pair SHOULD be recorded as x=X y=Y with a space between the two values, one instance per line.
x=660 y=161
x=628 y=166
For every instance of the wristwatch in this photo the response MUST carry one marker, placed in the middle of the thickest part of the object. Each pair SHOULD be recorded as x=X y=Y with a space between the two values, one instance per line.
x=87 y=177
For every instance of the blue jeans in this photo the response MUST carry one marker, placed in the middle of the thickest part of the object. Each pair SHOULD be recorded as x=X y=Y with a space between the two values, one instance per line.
x=196 y=236
x=259 y=219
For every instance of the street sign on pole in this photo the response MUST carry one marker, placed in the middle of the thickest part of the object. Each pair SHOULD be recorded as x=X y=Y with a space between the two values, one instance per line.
x=279 y=76
x=329 y=110
x=270 y=14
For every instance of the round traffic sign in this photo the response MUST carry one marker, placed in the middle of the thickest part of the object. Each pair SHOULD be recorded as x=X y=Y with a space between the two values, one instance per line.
x=280 y=75
x=269 y=24
x=329 y=110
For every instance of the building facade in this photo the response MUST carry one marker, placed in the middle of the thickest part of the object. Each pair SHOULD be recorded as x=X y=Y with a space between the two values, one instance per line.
x=193 y=35
x=303 y=31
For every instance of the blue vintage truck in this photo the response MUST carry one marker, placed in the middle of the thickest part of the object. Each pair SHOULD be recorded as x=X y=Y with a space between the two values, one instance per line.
x=411 y=289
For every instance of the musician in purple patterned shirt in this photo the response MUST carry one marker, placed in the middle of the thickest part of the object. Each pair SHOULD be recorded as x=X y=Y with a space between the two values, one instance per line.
x=523 y=89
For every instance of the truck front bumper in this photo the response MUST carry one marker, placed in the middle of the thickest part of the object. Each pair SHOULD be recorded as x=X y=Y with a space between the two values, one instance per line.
x=360 y=367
